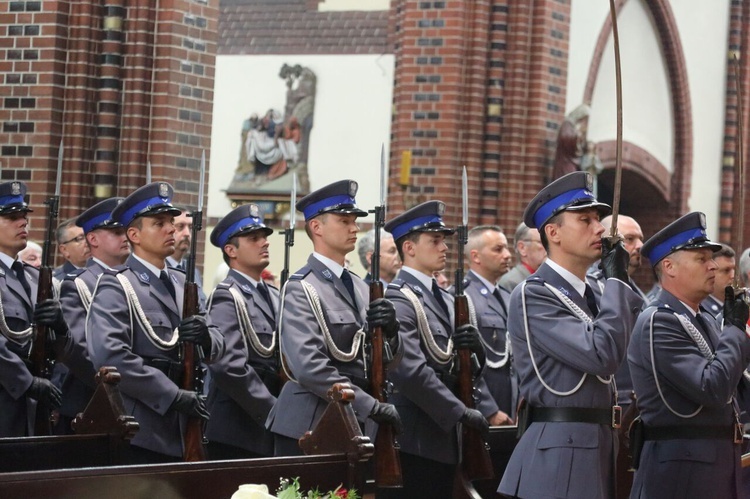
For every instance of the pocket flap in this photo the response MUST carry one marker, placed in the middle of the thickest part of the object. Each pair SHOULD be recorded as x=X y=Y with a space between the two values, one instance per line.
x=685 y=450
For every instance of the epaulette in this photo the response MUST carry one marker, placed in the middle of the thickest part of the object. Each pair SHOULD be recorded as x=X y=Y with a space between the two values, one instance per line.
x=535 y=279
x=272 y=286
x=178 y=269
x=396 y=284
x=115 y=270
x=596 y=274
x=70 y=276
x=354 y=274
x=224 y=285
x=301 y=273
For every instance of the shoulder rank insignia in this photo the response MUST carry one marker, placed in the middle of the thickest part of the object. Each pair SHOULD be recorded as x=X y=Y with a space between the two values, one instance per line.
x=2 y=273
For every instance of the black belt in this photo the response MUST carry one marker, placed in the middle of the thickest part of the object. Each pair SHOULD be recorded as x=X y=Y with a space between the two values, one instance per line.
x=690 y=432
x=172 y=369
x=610 y=417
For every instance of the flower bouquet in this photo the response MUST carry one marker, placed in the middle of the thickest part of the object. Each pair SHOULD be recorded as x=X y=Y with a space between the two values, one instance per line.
x=290 y=489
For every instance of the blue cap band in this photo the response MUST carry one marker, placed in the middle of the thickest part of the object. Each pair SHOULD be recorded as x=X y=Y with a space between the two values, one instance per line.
x=7 y=200
x=313 y=209
x=565 y=199
x=237 y=227
x=414 y=223
x=130 y=214
x=91 y=224
x=668 y=246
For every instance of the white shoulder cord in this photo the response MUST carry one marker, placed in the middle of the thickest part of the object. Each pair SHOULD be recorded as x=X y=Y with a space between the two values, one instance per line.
x=317 y=309
x=88 y=312
x=700 y=342
x=436 y=353
x=504 y=356
x=15 y=336
x=581 y=315
x=246 y=326
x=83 y=293
x=287 y=372
x=135 y=306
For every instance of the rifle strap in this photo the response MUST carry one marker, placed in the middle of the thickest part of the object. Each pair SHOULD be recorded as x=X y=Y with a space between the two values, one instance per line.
x=578 y=312
x=440 y=356
x=136 y=311
x=504 y=355
x=15 y=336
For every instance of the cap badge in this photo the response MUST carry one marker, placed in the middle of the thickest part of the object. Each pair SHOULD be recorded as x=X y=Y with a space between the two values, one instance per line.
x=163 y=190
x=441 y=209
x=353 y=186
x=702 y=220
x=589 y=182
x=254 y=211
x=15 y=188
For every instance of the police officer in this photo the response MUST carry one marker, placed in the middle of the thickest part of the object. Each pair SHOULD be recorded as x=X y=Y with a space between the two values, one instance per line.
x=632 y=239
x=18 y=292
x=108 y=248
x=686 y=370
x=488 y=257
x=725 y=269
x=323 y=321
x=424 y=386
x=245 y=380
x=135 y=324
x=567 y=348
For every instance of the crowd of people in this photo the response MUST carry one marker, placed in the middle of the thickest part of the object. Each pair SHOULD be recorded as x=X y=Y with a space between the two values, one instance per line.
x=563 y=341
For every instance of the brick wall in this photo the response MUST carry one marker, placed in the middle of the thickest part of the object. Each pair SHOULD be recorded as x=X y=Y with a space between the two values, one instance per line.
x=120 y=82
x=738 y=44
x=471 y=91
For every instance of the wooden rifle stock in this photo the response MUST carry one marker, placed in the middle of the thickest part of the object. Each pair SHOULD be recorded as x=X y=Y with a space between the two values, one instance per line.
x=40 y=353
x=387 y=461
x=193 y=449
x=475 y=456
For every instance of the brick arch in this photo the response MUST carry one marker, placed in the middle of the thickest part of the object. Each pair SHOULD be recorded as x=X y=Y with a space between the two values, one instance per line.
x=678 y=182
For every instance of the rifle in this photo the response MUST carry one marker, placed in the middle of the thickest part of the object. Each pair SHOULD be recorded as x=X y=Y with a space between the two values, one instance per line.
x=193 y=440
x=387 y=461
x=475 y=457
x=288 y=243
x=41 y=357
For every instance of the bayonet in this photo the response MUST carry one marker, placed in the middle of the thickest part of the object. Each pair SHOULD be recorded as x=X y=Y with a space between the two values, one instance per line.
x=739 y=219
x=148 y=172
x=289 y=233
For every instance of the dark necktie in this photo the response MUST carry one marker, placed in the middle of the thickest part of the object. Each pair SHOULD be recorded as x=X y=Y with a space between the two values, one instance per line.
x=499 y=297
x=164 y=278
x=701 y=319
x=591 y=300
x=263 y=292
x=438 y=293
x=21 y=275
x=346 y=278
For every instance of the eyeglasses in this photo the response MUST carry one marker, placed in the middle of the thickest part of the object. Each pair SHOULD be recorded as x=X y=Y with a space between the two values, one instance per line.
x=77 y=240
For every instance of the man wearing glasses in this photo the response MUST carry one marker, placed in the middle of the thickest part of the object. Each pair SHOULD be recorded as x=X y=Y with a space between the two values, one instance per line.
x=73 y=247
x=530 y=254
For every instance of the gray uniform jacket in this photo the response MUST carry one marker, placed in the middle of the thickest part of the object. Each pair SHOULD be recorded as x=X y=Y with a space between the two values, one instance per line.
x=15 y=377
x=713 y=306
x=239 y=401
x=686 y=468
x=492 y=322
x=60 y=272
x=514 y=277
x=566 y=460
x=146 y=390
x=78 y=385
x=307 y=356
x=595 y=278
x=423 y=394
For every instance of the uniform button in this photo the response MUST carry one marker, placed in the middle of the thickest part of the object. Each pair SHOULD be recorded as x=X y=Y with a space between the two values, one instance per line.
x=570 y=440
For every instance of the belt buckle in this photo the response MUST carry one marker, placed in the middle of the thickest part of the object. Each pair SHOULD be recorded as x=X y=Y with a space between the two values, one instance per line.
x=616 y=416
x=739 y=431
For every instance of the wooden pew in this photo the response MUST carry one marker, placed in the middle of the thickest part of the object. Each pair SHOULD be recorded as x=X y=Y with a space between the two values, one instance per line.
x=200 y=480
x=337 y=435
x=103 y=431
x=502 y=441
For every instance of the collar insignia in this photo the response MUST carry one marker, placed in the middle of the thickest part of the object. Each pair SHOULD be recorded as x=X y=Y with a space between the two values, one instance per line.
x=143 y=276
x=327 y=274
